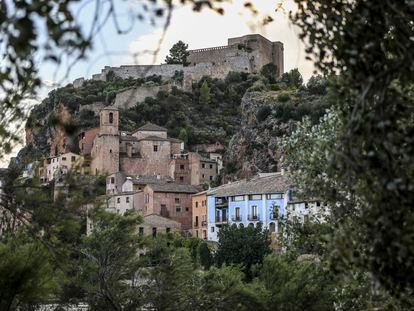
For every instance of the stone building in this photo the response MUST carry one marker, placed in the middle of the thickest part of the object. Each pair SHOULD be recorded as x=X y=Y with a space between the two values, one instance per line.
x=154 y=225
x=241 y=54
x=170 y=200
x=199 y=205
x=203 y=170
x=146 y=152
x=61 y=165
x=85 y=140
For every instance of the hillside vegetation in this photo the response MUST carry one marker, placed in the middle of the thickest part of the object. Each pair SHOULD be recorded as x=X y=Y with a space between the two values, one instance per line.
x=212 y=111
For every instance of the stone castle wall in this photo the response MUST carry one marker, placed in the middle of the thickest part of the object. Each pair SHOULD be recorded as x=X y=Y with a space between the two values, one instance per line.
x=243 y=54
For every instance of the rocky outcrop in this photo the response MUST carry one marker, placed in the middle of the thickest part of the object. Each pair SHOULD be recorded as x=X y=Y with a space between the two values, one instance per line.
x=257 y=146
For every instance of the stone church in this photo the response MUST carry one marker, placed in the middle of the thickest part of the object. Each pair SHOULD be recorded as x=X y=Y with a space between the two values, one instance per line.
x=148 y=151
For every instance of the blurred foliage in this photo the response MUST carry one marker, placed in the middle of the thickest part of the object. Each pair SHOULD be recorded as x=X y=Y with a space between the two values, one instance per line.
x=368 y=142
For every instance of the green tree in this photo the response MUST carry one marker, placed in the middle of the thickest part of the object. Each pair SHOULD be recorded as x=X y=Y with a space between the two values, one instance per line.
x=206 y=259
x=169 y=274
x=110 y=261
x=178 y=54
x=244 y=246
x=292 y=78
x=183 y=135
x=205 y=94
x=293 y=285
x=317 y=85
x=269 y=71
x=26 y=274
x=224 y=289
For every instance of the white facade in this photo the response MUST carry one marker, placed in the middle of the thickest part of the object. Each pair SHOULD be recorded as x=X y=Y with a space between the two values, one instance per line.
x=313 y=210
x=63 y=164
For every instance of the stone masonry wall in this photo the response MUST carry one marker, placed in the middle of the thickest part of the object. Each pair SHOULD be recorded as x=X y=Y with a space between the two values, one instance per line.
x=243 y=54
x=130 y=97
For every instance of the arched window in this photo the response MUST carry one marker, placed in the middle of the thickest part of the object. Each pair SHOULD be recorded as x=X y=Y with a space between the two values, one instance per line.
x=111 y=118
x=272 y=227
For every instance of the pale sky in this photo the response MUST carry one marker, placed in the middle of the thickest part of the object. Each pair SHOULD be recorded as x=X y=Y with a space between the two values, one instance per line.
x=198 y=30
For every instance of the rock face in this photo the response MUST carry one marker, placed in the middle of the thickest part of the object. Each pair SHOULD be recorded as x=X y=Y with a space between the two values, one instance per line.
x=257 y=146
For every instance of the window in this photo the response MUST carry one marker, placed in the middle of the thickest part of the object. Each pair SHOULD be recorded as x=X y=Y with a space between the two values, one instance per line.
x=203 y=176
x=187 y=209
x=155 y=148
x=211 y=165
x=211 y=177
x=73 y=159
x=141 y=230
x=111 y=118
x=118 y=200
x=178 y=209
x=306 y=205
x=274 y=196
x=181 y=166
x=181 y=178
x=127 y=199
x=196 y=221
x=196 y=204
x=203 y=165
x=197 y=233
x=112 y=180
x=167 y=230
x=212 y=229
x=110 y=150
x=318 y=204
x=177 y=200
x=154 y=232
x=238 y=198
x=238 y=213
x=63 y=158
x=255 y=197
x=254 y=210
x=146 y=197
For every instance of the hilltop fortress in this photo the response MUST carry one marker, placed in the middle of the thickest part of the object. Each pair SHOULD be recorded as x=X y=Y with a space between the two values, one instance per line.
x=242 y=54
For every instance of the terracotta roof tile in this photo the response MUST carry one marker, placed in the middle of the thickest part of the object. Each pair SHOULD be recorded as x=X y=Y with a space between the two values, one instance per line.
x=152 y=128
x=273 y=183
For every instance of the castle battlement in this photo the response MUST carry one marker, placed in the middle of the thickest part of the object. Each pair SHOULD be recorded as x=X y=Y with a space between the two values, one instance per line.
x=210 y=49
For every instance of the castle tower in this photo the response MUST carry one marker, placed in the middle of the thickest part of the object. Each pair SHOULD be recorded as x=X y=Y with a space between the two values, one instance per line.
x=105 y=151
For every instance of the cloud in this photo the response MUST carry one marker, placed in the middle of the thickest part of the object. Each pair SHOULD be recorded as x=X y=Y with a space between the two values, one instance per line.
x=50 y=83
x=208 y=29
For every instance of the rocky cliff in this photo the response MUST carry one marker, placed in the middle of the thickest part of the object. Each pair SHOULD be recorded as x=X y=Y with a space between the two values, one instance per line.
x=267 y=116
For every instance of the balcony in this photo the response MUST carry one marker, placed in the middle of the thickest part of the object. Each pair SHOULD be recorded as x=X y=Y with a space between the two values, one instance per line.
x=236 y=218
x=222 y=203
x=253 y=217
x=220 y=220
x=274 y=216
x=204 y=223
